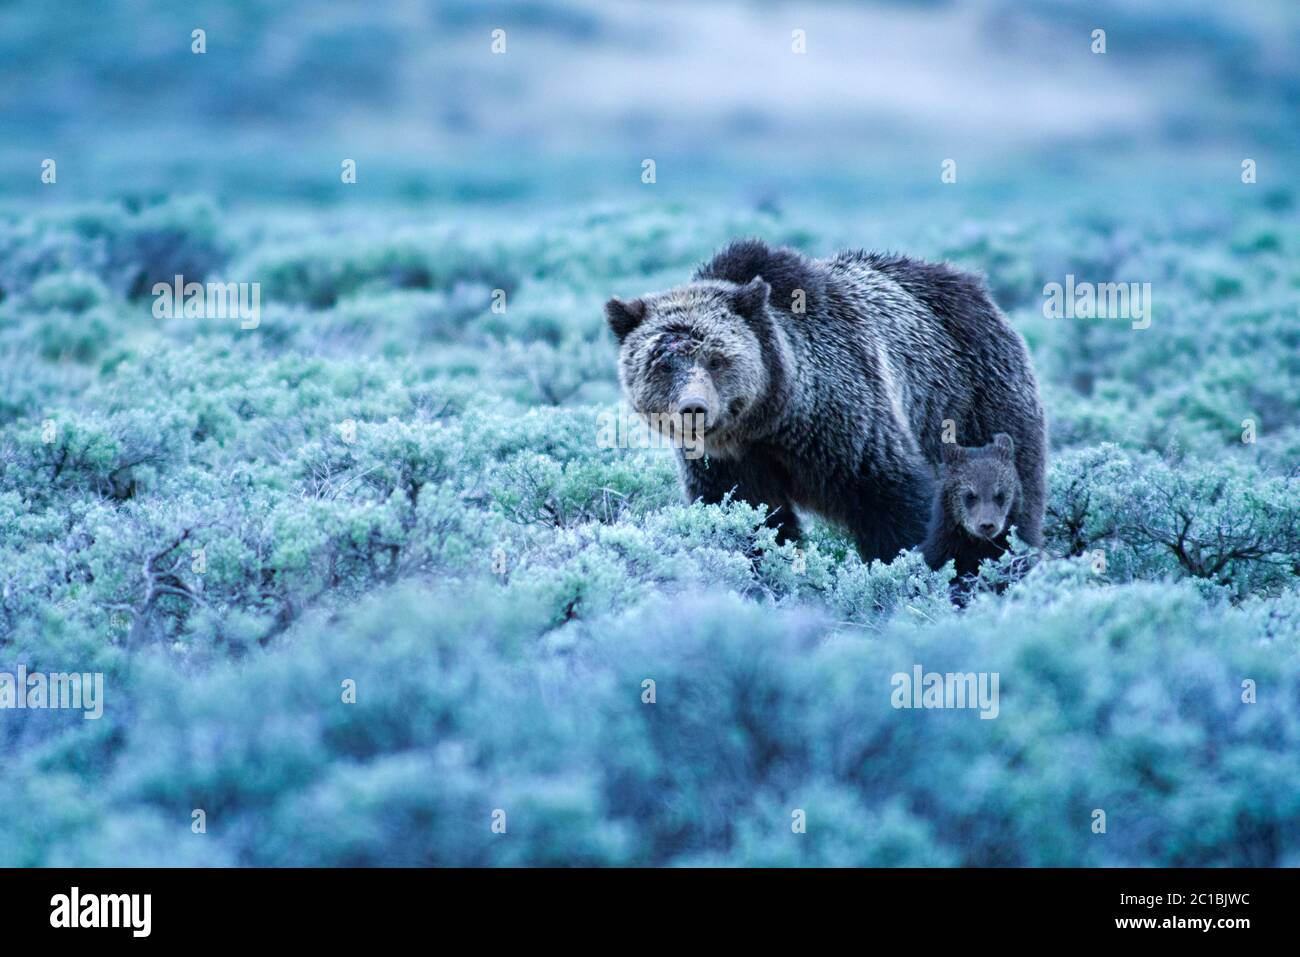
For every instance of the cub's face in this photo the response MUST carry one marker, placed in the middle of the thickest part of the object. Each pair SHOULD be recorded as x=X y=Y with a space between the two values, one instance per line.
x=690 y=362
x=980 y=486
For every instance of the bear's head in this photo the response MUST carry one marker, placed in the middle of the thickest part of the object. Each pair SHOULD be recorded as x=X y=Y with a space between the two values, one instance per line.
x=691 y=360
x=980 y=485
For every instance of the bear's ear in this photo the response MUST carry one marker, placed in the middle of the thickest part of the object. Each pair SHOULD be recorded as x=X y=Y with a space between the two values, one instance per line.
x=1006 y=448
x=623 y=317
x=952 y=453
x=751 y=297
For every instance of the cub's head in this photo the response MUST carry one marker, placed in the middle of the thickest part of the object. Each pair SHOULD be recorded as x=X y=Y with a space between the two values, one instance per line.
x=980 y=485
x=691 y=361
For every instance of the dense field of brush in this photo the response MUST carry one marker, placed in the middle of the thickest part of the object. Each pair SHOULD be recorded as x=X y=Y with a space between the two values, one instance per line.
x=393 y=485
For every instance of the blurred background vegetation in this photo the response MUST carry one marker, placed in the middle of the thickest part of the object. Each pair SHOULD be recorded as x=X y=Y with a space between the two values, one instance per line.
x=394 y=484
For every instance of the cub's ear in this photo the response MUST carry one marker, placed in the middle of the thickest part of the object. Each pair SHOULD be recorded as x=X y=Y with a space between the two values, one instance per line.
x=952 y=453
x=751 y=297
x=623 y=317
x=1002 y=442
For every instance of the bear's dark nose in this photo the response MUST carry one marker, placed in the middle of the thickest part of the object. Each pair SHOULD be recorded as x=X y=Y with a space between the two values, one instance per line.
x=988 y=529
x=693 y=407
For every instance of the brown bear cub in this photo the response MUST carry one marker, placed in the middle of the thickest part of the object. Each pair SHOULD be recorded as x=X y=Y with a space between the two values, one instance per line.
x=974 y=506
x=826 y=386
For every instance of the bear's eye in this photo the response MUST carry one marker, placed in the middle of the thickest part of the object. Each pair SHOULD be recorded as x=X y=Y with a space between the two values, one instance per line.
x=1000 y=497
x=970 y=499
x=715 y=363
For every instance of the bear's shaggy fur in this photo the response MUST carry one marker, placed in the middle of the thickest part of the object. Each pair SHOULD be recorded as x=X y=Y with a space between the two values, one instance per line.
x=824 y=385
x=978 y=492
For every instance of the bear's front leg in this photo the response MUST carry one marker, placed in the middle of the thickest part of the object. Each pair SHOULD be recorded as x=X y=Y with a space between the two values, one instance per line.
x=890 y=511
x=939 y=544
x=749 y=481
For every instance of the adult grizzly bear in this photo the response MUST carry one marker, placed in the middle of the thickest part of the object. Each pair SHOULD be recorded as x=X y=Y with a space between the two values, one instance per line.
x=824 y=385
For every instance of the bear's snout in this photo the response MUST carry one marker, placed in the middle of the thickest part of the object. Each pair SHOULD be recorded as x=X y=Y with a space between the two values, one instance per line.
x=697 y=402
x=693 y=408
x=984 y=522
